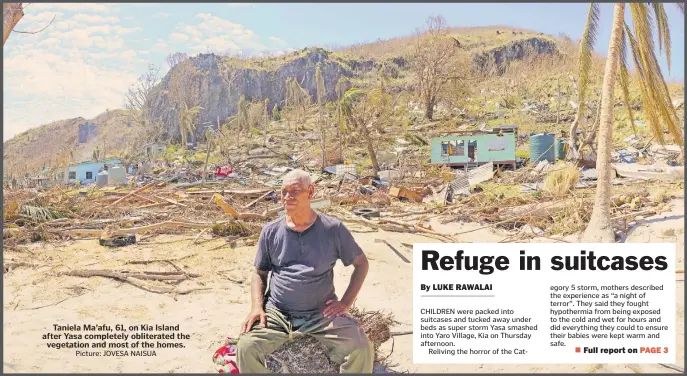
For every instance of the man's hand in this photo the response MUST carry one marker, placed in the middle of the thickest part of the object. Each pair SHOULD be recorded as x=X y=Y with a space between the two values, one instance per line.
x=253 y=316
x=335 y=308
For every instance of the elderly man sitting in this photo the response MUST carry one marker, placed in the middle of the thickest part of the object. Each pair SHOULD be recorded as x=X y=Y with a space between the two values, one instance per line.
x=300 y=249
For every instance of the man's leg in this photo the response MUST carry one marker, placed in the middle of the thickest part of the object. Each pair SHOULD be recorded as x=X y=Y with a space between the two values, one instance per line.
x=256 y=344
x=347 y=343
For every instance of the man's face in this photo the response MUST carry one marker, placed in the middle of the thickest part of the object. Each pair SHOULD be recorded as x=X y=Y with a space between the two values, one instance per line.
x=295 y=197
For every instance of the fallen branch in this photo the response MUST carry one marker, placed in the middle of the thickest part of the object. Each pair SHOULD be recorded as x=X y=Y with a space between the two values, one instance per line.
x=146 y=199
x=418 y=229
x=252 y=216
x=506 y=220
x=394 y=226
x=134 y=230
x=139 y=262
x=132 y=193
x=648 y=211
x=49 y=305
x=199 y=235
x=13 y=265
x=393 y=249
x=411 y=213
x=673 y=367
x=153 y=205
x=540 y=210
x=175 y=202
x=124 y=274
x=401 y=333
x=127 y=278
x=256 y=200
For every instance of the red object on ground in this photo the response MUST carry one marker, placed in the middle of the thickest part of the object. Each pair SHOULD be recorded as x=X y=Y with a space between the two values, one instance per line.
x=225 y=357
x=224 y=170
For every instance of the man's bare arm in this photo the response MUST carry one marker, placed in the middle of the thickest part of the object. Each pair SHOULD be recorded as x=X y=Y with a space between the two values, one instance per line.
x=360 y=268
x=258 y=287
x=257 y=312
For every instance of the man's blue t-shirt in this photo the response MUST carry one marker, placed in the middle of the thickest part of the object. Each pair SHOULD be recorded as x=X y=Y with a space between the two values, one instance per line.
x=302 y=263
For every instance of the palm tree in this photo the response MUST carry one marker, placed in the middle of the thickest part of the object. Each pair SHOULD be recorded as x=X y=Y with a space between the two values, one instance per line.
x=656 y=102
x=187 y=123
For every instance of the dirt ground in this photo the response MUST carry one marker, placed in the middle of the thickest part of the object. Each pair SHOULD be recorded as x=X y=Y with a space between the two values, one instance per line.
x=209 y=315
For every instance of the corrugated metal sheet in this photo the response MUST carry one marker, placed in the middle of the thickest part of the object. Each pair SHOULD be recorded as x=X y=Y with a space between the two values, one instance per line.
x=481 y=174
x=461 y=183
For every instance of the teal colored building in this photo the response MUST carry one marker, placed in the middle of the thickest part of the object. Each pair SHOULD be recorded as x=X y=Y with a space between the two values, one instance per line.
x=460 y=149
x=85 y=172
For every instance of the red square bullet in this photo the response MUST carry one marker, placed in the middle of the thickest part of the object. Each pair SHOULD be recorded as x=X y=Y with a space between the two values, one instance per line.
x=577 y=349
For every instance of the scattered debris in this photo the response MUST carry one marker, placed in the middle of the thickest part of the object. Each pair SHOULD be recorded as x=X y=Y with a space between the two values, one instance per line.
x=646 y=172
x=305 y=354
x=118 y=241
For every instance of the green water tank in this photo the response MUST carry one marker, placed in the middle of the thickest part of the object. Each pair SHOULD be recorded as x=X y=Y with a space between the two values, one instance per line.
x=561 y=148
x=542 y=148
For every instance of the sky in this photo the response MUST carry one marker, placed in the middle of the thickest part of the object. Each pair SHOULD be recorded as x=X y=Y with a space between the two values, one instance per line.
x=83 y=63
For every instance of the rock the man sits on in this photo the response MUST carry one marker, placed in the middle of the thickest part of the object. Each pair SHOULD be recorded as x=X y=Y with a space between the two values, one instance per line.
x=300 y=249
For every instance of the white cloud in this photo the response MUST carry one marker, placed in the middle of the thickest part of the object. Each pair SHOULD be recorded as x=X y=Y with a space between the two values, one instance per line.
x=277 y=40
x=85 y=60
x=161 y=15
x=128 y=54
x=44 y=17
x=125 y=30
x=79 y=35
x=94 y=19
x=161 y=46
x=78 y=66
x=81 y=7
x=219 y=35
x=49 y=86
x=178 y=37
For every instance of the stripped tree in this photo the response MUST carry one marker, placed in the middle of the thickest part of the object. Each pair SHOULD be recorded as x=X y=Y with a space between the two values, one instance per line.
x=297 y=99
x=242 y=118
x=433 y=62
x=137 y=103
x=638 y=42
x=321 y=93
x=366 y=110
x=187 y=122
x=340 y=117
x=174 y=59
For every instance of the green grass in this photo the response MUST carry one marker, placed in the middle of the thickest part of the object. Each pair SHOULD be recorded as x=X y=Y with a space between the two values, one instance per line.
x=500 y=191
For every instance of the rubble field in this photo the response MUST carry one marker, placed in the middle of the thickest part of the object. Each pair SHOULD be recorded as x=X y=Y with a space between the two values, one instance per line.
x=170 y=247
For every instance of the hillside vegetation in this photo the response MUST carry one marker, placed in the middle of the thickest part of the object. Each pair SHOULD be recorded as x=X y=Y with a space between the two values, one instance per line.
x=501 y=76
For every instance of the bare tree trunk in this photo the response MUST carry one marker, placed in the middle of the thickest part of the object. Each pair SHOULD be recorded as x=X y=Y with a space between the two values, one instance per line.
x=286 y=106
x=207 y=155
x=324 y=141
x=429 y=108
x=591 y=132
x=11 y=15
x=370 y=148
x=558 y=102
x=267 y=118
x=572 y=141
x=600 y=229
x=338 y=130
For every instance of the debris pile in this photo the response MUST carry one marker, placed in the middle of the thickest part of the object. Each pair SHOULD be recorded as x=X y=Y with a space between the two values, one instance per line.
x=305 y=354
